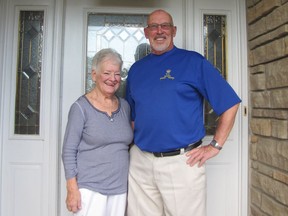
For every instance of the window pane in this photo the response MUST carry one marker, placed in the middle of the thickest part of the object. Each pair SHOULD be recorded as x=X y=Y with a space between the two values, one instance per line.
x=215 y=52
x=27 y=101
x=124 y=33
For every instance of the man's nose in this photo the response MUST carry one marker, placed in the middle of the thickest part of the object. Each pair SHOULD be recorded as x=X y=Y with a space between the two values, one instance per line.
x=159 y=29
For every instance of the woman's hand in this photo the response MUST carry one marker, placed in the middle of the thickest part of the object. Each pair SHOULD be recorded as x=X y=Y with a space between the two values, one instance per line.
x=73 y=199
x=201 y=155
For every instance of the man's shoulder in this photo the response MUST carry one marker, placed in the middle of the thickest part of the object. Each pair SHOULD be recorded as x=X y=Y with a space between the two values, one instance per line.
x=191 y=53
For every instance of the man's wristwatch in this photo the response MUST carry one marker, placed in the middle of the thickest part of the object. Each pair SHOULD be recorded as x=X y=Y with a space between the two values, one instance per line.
x=215 y=144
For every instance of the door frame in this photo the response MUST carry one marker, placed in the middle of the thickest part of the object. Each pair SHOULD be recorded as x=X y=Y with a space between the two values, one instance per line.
x=242 y=116
x=56 y=101
x=52 y=63
x=243 y=154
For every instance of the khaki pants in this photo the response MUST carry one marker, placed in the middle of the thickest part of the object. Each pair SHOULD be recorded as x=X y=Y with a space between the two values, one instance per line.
x=165 y=186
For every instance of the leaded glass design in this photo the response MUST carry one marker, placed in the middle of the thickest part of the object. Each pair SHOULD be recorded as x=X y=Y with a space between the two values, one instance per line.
x=215 y=51
x=124 y=33
x=29 y=68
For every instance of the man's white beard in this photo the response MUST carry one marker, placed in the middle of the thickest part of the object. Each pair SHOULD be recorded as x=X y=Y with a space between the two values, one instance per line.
x=160 y=48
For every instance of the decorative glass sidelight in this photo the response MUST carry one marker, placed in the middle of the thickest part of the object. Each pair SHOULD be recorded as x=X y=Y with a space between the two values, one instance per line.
x=122 y=32
x=29 y=68
x=215 y=34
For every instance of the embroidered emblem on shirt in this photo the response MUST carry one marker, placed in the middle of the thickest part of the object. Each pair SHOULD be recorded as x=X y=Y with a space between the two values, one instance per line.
x=167 y=75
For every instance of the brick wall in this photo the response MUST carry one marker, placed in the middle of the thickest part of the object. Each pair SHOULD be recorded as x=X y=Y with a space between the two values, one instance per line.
x=268 y=71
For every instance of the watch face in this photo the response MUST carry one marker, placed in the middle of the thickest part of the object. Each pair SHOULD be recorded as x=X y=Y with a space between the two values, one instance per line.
x=216 y=145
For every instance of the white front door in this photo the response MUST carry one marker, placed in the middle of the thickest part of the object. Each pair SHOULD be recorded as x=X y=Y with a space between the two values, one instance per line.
x=224 y=171
x=29 y=108
x=29 y=162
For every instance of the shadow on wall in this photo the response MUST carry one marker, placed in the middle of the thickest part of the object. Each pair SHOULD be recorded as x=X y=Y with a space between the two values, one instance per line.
x=141 y=51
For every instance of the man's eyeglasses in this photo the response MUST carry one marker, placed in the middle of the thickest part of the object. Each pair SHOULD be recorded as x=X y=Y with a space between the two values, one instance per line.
x=164 y=26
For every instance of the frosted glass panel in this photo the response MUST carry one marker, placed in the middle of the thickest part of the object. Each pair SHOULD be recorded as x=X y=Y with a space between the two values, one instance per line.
x=29 y=68
x=124 y=33
x=215 y=34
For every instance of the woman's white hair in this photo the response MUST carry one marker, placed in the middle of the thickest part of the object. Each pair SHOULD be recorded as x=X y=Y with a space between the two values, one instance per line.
x=105 y=54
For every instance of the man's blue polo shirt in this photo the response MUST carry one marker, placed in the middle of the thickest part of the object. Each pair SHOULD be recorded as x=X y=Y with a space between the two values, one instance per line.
x=166 y=94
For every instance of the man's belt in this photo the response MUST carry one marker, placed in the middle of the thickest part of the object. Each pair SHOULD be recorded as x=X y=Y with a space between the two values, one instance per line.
x=177 y=151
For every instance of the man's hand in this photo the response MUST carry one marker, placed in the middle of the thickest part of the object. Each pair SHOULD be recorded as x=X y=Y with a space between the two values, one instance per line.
x=201 y=155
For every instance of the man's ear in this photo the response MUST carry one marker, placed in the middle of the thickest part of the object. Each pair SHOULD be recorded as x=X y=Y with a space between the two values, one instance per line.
x=146 y=33
x=174 y=31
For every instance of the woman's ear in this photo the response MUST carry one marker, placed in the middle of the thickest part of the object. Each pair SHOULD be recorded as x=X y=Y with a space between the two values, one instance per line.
x=93 y=75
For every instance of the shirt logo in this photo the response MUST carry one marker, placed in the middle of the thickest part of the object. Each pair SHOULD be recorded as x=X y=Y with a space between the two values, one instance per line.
x=167 y=75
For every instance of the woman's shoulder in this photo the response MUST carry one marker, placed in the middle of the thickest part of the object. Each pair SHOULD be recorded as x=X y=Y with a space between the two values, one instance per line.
x=81 y=103
x=124 y=102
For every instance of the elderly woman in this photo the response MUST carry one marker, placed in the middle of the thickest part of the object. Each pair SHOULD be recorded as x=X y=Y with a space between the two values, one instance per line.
x=95 y=149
